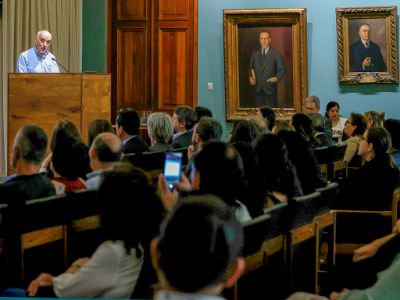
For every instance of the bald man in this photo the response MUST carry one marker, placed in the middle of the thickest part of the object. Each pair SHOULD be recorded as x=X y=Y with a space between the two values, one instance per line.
x=104 y=152
x=38 y=59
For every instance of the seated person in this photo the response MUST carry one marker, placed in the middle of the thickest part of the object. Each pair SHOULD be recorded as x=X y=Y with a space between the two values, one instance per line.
x=183 y=118
x=218 y=170
x=354 y=129
x=28 y=153
x=196 y=254
x=98 y=126
x=160 y=130
x=393 y=126
x=128 y=226
x=371 y=188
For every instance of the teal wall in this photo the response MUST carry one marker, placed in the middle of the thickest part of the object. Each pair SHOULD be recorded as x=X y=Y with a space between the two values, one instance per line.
x=94 y=29
x=322 y=56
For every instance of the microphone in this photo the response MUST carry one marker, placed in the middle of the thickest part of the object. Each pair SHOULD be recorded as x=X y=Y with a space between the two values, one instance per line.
x=65 y=69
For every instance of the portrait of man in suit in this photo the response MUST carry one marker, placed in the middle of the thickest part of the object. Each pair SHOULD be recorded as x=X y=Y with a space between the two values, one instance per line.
x=266 y=68
x=365 y=55
x=265 y=57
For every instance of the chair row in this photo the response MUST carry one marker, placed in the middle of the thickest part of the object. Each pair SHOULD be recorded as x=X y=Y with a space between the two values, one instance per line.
x=292 y=246
x=47 y=235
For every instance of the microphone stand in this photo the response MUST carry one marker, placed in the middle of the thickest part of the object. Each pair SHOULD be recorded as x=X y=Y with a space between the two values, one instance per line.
x=64 y=68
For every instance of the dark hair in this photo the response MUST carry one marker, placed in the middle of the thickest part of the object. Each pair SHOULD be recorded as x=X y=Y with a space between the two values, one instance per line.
x=273 y=159
x=202 y=112
x=70 y=158
x=269 y=115
x=330 y=105
x=63 y=129
x=130 y=210
x=32 y=144
x=99 y=126
x=209 y=129
x=303 y=125
x=129 y=119
x=393 y=127
x=186 y=114
x=380 y=139
x=243 y=131
x=199 y=241
x=359 y=121
x=221 y=171
x=105 y=149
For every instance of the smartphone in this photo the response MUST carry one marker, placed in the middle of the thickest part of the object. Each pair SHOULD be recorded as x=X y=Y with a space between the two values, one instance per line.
x=172 y=168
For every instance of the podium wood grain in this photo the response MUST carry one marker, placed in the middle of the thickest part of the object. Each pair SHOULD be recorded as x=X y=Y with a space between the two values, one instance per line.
x=43 y=99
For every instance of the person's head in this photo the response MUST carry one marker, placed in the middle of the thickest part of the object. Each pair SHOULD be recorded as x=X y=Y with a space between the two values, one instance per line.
x=318 y=122
x=184 y=118
x=130 y=211
x=106 y=149
x=332 y=110
x=128 y=123
x=29 y=146
x=207 y=129
x=98 y=126
x=243 y=130
x=282 y=125
x=265 y=39
x=355 y=125
x=393 y=127
x=374 y=142
x=198 y=247
x=218 y=169
x=63 y=129
x=70 y=158
x=202 y=112
x=268 y=114
x=43 y=41
x=160 y=127
x=260 y=123
x=374 y=118
x=364 y=31
x=311 y=105
x=303 y=125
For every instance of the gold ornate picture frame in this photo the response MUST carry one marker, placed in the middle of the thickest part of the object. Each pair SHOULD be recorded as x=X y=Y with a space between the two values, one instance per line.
x=287 y=29
x=367 y=44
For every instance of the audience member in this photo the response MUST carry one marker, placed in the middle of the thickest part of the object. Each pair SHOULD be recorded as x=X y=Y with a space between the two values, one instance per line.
x=128 y=123
x=104 y=152
x=183 y=118
x=302 y=123
x=243 y=131
x=99 y=126
x=279 y=175
x=27 y=155
x=202 y=112
x=338 y=123
x=302 y=156
x=197 y=253
x=371 y=188
x=374 y=118
x=282 y=125
x=354 y=129
x=128 y=226
x=218 y=170
x=268 y=114
x=320 y=135
x=312 y=105
x=393 y=127
x=260 y=123
x=160 y=130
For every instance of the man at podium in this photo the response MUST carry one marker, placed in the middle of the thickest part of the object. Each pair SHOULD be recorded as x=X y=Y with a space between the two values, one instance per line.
x=38 y=59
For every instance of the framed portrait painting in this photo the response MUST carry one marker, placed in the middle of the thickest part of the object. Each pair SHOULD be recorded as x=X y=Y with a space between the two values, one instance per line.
x=265 y=61
x=367 y=44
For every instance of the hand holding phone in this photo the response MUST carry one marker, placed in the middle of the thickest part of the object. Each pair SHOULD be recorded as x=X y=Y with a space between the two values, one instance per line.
x=172 y=168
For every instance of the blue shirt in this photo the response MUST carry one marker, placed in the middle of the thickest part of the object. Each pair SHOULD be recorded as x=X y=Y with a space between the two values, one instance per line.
x=31 y=61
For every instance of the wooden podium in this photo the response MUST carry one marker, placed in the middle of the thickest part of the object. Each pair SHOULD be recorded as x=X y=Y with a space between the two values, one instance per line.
x=43 y=99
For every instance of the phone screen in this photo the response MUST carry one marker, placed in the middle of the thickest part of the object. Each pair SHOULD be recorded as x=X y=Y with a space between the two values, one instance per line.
x=172 y=167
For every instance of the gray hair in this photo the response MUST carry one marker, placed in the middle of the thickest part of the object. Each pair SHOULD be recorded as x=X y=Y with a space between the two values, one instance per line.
x=314 y=99
x=31 y=142
x=160 y=127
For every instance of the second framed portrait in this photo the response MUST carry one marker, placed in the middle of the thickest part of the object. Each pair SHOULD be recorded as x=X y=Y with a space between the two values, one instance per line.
x=265 y=60
x=367 y=44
